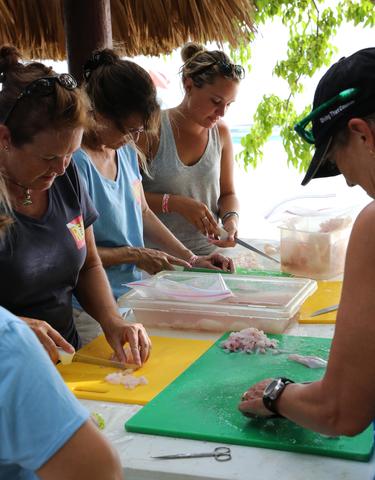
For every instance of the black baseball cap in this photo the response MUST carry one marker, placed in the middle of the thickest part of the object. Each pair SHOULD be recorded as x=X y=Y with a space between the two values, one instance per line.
x=354 y=77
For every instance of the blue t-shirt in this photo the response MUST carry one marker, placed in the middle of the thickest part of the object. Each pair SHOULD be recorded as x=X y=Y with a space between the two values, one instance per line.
x=120 y=213
x=38 y=414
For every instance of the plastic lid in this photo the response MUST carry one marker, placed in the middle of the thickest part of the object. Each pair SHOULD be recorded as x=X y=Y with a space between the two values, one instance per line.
x=267 y=297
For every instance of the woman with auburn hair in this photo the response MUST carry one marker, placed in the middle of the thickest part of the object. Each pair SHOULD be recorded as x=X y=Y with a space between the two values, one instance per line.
x=190 y=186
x=49 y=252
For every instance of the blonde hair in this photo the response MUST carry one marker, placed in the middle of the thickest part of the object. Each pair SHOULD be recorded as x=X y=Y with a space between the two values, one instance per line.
x=6 y=218
x=204 y=66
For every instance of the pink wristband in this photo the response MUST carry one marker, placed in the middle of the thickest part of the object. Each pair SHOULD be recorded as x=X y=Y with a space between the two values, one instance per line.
x=164 y=203
x=193 y=260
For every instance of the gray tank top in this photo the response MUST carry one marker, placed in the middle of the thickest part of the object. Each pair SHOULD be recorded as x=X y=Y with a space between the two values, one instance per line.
x=200 y=181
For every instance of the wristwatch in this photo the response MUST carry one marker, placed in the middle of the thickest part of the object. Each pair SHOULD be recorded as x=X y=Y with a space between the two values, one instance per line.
x=273 y=391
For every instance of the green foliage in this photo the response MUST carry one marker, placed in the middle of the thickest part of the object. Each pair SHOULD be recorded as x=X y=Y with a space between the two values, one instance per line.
x=312 y=27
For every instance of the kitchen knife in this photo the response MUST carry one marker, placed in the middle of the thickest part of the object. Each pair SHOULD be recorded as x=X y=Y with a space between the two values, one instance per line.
x=253 y=249
x=324 y=310
x=67 y=358
x=79 y=357
x=224 y=235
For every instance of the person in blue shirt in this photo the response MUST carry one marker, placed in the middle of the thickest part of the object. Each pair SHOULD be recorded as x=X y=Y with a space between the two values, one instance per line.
x=44 y=431
x=343 y=132
x=124 y=105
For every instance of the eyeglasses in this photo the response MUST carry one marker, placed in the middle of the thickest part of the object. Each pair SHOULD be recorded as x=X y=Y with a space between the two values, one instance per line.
x=341 y=98
x=42 y=87
x=135 y=132
x=132 y=132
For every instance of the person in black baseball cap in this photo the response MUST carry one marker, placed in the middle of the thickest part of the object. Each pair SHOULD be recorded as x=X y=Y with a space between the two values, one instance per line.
x=343 y=132
x=346 y=91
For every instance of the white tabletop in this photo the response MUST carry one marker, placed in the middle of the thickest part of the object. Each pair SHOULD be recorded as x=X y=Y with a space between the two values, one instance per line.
x=136 y=450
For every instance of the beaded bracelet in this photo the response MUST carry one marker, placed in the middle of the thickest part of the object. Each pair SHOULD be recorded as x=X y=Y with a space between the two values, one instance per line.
x=164 y=203
x=227 y=215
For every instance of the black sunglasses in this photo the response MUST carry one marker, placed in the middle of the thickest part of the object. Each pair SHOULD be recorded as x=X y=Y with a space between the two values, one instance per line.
x=226 y=69
x=42 y=87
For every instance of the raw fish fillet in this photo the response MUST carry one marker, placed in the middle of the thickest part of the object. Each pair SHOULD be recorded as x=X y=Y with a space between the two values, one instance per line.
x=308 y=360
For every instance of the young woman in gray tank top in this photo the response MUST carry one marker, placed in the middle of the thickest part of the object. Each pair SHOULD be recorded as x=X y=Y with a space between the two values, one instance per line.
x=190 y=186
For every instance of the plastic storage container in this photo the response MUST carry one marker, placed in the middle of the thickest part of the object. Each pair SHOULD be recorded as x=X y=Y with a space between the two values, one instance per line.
x=267 y=303
x=313 y=244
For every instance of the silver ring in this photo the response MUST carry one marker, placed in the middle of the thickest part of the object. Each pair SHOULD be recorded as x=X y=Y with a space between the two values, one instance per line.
x=204 y=218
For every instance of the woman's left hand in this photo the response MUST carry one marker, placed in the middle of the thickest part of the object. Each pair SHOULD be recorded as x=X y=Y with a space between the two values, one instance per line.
x=230 y=230
x=119 y=332
x=251 y=404
x=215 y=261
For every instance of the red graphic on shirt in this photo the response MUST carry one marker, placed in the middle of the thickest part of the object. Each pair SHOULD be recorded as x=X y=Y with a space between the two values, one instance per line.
x=77 y=230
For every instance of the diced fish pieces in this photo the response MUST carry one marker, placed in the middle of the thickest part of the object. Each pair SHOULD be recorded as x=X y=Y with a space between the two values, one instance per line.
x=249 y=340
x=126 y=379
x=308 y=360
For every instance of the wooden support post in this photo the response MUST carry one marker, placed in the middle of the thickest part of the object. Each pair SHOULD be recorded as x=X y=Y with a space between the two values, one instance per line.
x=87 y=27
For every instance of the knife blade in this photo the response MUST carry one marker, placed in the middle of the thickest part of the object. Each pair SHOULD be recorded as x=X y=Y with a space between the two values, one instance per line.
x=253 y=249
x=67 y=358
x=324 y=310
x=79 y=357
x=224 y=236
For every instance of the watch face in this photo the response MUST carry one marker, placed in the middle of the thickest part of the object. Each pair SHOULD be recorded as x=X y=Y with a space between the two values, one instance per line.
x=271 y=388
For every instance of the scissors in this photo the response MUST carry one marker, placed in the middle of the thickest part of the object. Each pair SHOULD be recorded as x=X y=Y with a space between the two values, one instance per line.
x=220 y=454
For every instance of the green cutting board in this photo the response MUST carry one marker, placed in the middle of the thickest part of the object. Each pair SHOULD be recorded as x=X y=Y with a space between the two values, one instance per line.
x=201 y=403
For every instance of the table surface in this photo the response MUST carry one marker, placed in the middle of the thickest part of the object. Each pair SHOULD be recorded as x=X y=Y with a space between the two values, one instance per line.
x=136 y=450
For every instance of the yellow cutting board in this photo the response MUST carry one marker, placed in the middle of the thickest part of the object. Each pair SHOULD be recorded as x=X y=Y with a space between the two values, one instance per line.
x=169 y=358
x=327 y=294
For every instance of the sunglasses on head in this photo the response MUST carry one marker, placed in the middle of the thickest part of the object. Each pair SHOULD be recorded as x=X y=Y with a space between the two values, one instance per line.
x=341 y=98
x=226 y=69
x=42 y=87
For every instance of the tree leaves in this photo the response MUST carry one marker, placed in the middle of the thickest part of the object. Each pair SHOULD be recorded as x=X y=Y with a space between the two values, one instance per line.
x=312 y=27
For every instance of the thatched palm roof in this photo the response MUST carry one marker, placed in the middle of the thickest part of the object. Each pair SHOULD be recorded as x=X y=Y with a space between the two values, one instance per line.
x=148 y=27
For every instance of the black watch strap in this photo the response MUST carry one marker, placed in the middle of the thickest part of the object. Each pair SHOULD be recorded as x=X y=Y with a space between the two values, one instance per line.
x=272 y=393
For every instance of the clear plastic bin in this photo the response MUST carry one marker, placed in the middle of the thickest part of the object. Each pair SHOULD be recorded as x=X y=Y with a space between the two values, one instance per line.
x=314 y=246
x=267 y=303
